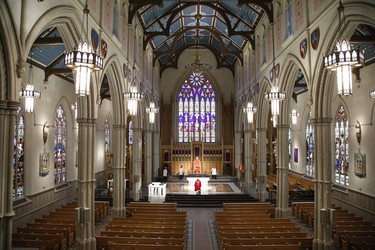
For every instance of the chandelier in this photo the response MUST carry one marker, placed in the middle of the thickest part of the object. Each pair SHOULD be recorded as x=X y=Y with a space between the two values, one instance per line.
x=275 y=97
x=28 y=93
x=294 y=115
x=83 y=60
x=133 y=97
x=197 y=66
x=342 y=60
x=152 y=110
x=250 y=110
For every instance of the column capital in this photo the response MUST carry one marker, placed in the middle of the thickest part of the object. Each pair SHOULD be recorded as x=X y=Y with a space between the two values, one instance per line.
x=9 y=105
x=261 y=129
x=82 y=121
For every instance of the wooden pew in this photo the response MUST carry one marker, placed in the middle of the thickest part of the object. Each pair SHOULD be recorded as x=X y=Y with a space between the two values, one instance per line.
x=122 y=246
x=66 y=233
x=182 y=229
x=57 y=239
x=25 y=243
x=264 y=247
x=103 y=241
x=168 y=234
x=306 y=242
x=71 y=229
x=338 y=235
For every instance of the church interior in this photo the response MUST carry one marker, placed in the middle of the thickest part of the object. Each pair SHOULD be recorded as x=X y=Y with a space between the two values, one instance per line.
x=179 y=124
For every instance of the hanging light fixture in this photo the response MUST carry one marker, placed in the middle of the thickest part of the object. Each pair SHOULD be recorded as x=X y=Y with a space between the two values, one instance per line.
x=294 y=115
x=28 y=93
x=250 y=110
x=133 y=97
x=197 y=66
x=274 y=96
x=342 y=60
x=83 y=60
x=152 y=110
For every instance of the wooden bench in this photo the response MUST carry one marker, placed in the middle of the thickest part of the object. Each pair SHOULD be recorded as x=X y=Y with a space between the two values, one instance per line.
x=226 y=220
x=102 y=240
x=57 y=239
x=168 y=234
x=146 y=229
x=263 y=235
x=147 y=225
x=264 y=247
x=339 y=235
x=306 y=242
x=66 y=233
x=122 y=246
x=359 y=242
x=239 y=230
x=70 y=228
x=25 y=243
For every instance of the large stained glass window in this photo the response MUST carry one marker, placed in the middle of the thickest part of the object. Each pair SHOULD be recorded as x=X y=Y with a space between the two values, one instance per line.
x=59 y=148
x=341 y=147
x=309 y=148
x=18 y=159
x=196 y=110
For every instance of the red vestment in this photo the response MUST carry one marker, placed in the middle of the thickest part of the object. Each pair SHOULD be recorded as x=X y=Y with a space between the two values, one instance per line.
x=197 y=185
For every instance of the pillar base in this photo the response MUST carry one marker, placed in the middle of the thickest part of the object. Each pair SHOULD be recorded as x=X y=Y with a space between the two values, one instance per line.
x=87 y=244
x=322 y=245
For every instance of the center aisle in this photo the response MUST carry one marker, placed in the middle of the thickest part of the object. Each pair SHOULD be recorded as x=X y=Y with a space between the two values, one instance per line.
x=202 y=234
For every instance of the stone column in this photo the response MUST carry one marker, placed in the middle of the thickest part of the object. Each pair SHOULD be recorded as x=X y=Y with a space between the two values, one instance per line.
x=323 y=221
x=137 y=164
x=118 y=165
x=8 y=112
x=85 y=238
x=262 y=194
x=156 y=154
x=282 y=181
x=148 y=160
x=237 y=150
x=248 y=155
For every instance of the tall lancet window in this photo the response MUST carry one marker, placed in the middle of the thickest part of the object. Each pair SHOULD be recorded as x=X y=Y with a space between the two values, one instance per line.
x=197 y=109
x=309 y=148
x=18 y=159
x=342 y=147
x=59 y=148
x=107 y=136
x=131 y=133
x=289 y=19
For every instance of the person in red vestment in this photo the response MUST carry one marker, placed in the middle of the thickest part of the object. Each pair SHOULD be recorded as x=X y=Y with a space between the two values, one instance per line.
x=197 y=186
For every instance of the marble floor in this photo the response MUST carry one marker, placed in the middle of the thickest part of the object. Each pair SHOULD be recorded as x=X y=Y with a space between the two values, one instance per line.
x=215 y=188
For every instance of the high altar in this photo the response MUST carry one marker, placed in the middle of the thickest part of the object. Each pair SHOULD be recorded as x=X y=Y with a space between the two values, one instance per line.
x=198 y=158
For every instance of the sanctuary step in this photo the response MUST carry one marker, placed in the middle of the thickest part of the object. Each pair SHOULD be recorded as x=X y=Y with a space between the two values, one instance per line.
x=213 y=200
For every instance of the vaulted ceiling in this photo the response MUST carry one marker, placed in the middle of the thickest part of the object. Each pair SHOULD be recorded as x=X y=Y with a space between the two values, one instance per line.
x=171 y=26
x=222 y=26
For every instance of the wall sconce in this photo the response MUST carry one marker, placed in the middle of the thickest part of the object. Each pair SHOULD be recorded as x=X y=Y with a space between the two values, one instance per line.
x=372 y=93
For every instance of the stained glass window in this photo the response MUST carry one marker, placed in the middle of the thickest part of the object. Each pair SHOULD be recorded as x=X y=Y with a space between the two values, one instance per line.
x=107 y=145
x=59 y=148
x=130 y=133
x=309 y=148
x=196 y=109
x=18 y=159
x=290 y=148
x=289 y=24
x=341 y=147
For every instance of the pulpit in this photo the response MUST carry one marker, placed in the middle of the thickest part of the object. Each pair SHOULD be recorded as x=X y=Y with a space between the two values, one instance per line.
x=157 y=192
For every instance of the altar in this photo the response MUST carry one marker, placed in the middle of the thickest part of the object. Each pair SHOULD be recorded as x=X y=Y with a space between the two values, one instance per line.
x=204 y=183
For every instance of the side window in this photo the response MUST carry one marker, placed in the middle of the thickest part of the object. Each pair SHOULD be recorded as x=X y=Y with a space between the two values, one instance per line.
x=59 y=148
x=341 y=147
